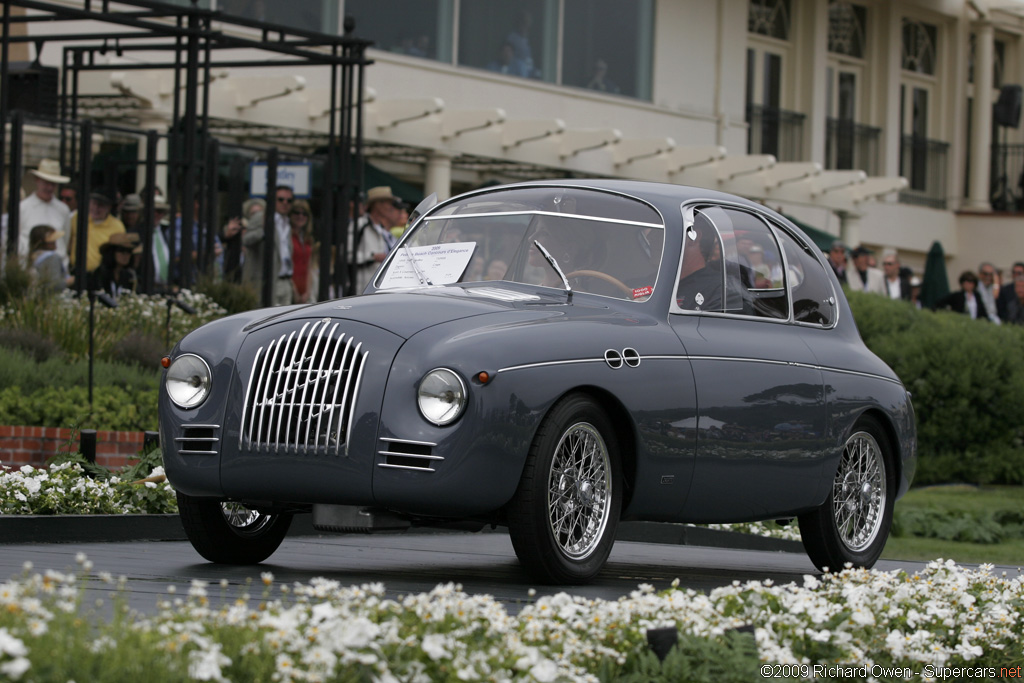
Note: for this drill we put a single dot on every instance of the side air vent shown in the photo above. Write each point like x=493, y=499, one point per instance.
x=199, y=440
x=400, y=454
x=302, y=391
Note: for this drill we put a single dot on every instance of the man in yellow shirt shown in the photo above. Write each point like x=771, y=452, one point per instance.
x=101, y=226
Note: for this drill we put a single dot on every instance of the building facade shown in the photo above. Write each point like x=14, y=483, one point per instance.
x=888, y=123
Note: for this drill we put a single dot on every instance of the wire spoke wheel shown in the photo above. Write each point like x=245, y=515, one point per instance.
x=858, y=493
x=579, y=491
x=563, y=516
x=852, y=525
x=244, y=520
x=229, y=532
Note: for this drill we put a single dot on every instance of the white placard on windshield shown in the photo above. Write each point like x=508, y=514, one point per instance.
x=438, y=264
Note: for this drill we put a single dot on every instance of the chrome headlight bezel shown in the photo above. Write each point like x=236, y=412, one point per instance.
x=441, y=396
x=188, y=381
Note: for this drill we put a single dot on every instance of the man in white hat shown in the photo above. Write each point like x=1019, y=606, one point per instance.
x=372, y=236
x=43, y=207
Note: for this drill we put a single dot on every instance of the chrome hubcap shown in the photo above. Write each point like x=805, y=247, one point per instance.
x=243, y=519
x=858, y=494
x=579, y=491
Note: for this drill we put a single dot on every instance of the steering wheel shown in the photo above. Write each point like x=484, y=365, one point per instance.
x=626, y=289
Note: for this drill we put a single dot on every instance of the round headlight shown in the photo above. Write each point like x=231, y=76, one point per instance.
x=188, y=381
x=441, y=396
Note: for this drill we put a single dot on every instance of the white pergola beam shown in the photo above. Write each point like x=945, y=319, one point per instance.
x=790, y=171
x=631, y=150
x=391, y=113
x=685, y=157
x=576, y=140
x=268, y=88
x=520, y=131
x=456, y=122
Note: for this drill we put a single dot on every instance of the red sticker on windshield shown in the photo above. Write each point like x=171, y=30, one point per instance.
x=641, y=292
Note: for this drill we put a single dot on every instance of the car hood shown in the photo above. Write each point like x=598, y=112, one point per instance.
x=409, y=311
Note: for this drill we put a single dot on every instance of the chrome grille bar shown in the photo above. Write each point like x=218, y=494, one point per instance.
x=294, y=380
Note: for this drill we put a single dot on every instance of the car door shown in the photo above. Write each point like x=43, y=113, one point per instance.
x=761, y=410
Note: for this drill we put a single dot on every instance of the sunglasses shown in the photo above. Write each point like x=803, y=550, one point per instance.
x=286, y=200
x=300, y=213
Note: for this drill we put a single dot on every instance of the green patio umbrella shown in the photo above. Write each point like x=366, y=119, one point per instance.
x=934, y=283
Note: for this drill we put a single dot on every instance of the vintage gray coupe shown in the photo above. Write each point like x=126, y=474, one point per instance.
x=553, y=357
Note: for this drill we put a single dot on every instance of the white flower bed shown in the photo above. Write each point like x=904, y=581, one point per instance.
x=64, y=489
x=859, y=624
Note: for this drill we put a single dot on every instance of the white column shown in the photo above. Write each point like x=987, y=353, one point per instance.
x=979, y=184
x=439, y=176
x=161, y=126
x=849, y=228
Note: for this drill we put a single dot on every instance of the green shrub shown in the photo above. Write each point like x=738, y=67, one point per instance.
x=233, y=297
x=138, y=349
x=966, y=378
x=18, y=368
x=37, y=346
x=114, y=408
x=15, y=283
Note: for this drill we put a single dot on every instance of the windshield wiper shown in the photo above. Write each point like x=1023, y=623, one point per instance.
x=424, y=280
x=554, y=264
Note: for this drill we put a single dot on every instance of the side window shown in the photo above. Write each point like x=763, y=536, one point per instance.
x=734, y=265
x=701, y=278
x=813, y=299
x=754, y=258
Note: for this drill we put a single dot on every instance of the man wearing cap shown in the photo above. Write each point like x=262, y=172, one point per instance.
x=372, y=236
x=837, y=259
x=131, y=212
x=865, y=278
x=43, y=207
x=102, y=225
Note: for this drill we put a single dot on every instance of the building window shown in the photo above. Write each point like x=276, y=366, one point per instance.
x=603, y=45
x=518, y=39
x=998, y=61
x=419, y=28
x=846, y=28
x=607, y=46
x=919, y=47
x=309, y=15
x=769, y=18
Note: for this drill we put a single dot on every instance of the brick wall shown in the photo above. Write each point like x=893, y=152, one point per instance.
x=34, y=445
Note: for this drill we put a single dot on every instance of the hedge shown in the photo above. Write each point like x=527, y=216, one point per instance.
x=966, y=378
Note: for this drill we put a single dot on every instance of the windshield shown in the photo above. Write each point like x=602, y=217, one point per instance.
x=602, y=243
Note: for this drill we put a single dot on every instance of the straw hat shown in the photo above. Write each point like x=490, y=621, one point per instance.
x=380, y=194
x=49, y=169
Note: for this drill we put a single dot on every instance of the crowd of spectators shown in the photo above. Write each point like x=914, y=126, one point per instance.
x=983, y=295
x=48, y=228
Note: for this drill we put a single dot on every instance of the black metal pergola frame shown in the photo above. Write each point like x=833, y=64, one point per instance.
x=197, y=39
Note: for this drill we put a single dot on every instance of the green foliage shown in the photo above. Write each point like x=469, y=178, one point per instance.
x=30, y=342
x=730, y=658
x=966, y=378
x=65, y=320
x=964, y=514
x=15, y=282
x=233, y=297
x=114, y=408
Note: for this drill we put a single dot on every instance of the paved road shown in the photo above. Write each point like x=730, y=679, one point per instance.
x=413, y=562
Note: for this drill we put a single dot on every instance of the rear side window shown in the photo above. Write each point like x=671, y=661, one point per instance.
x=813, y=298
x=740, y=263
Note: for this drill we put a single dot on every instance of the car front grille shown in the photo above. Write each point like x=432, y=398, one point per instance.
x=302, y=391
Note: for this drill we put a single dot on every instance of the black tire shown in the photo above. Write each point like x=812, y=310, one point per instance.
x=562, y=518
x=853, y=524
x=230, y=533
